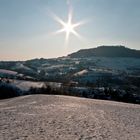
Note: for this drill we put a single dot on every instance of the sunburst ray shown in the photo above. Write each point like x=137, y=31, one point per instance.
x=68, y=27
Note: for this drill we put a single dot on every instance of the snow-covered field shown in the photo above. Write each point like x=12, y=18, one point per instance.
x=41, y=117
x=26, y=85
x=8, y=72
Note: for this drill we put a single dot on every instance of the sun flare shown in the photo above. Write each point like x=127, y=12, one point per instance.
x=68, y=27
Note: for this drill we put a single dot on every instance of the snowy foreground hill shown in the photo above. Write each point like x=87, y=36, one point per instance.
x=40, y=117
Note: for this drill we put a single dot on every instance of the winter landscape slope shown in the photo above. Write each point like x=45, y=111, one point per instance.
x=41, y=117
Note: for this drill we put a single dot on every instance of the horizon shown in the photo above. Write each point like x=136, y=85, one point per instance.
x=27, y=27
x=70, y=53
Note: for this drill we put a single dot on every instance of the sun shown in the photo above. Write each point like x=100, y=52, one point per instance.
x=68, y=27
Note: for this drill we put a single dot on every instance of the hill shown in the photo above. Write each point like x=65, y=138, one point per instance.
x=106, y=51
x=65, y=118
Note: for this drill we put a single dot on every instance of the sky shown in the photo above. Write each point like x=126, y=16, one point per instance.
x=27, y=26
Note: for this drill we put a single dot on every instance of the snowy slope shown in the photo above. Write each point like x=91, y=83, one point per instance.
x=51, y=117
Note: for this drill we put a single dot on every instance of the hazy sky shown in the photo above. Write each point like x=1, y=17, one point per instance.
x=26, y=26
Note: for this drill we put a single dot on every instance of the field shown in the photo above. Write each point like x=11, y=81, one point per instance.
x=39, y=117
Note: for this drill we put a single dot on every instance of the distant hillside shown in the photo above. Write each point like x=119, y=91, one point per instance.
x=106, y=51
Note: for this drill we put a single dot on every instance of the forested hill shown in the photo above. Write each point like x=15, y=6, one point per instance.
x=106, y=51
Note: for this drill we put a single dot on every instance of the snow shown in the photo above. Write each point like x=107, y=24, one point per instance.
x=26, y=85
x=9, y=72
x=21, y=66
x=81, y=73
x=41, y=117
